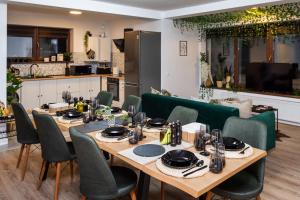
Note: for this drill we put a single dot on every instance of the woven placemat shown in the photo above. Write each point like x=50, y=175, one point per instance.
x=100, y=138
x=178, y=172
x=234, y=154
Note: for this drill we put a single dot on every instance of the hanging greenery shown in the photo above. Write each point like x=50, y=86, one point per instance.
x=254, y=22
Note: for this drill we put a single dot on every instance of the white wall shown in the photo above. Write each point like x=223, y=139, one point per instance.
x=79, y=24
x=3, y=49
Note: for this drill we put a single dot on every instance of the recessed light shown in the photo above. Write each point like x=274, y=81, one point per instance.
x=75, y=12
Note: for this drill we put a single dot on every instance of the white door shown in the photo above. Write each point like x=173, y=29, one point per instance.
x=105, y=50
x=30, y=93
x=84, y=88
x=94, y=86
x=48, y=92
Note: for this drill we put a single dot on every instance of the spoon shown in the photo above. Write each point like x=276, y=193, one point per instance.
x=198, y=164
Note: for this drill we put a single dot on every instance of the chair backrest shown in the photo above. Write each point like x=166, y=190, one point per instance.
x=105, y=98
x=26, y=132
x=132, y=100
x=183, y=114
x=53, y=144
x=253, y=133
x=96, y=178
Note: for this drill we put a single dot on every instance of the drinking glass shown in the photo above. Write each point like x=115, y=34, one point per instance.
x=139, y=131
x=131, y=113
x=216, y=136
x=86, y=118
x=198, y=141
x=206, y=137
x=133, y=137
x=216, y=163
x=220, y=148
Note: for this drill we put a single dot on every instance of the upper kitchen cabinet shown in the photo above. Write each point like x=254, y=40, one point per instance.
x=101, y=47
x=28, y=43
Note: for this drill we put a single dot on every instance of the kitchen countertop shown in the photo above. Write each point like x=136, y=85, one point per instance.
x=57, y=77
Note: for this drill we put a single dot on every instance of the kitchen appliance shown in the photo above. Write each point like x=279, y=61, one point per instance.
x=76, y=70
x=103, y=70
x=113, y=87
x=120, y=42
x=142, y=62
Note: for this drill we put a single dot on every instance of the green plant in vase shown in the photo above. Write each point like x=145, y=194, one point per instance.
x=13, y=85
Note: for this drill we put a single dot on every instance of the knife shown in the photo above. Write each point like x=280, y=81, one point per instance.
x=185, y=175
x=243, y=151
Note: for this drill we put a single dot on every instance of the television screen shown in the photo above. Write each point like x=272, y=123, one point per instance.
x=274, y=77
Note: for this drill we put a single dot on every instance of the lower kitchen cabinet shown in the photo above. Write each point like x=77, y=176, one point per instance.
x=48, y=90
x=30, y=94
x=89, y=87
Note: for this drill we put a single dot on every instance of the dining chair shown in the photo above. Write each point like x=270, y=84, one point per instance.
x=26, y=134
x=97, y=179
x=248, y=183
x=54, y=147
x=132, y=100
x=105, y=98
x=183, y=114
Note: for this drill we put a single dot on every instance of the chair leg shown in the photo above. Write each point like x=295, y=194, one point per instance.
x=258, y=197
x=162, y=191
x=72, y=169
x=133, y=195
x=26, y=161
x=57, y=180
x=111, y=160
x=20, y=155
x=209, y=195
x=43, y=168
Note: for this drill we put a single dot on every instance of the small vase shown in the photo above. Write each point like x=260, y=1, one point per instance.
x=219, y=84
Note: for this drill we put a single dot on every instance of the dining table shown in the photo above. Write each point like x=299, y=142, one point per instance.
x=195, y=187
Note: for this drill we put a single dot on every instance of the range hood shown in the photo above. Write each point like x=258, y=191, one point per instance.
x=120, y=42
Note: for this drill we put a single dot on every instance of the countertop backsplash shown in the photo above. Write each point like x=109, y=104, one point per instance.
x=44, y=69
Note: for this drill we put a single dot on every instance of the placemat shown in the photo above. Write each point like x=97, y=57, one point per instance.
x=234, y=154
x=149, y=150
x=67, y=121
x=128, y=153
x=109, y=140
x=178, y=172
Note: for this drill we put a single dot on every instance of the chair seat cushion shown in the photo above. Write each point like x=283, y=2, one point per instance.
x=241, y=186
x=126, y=179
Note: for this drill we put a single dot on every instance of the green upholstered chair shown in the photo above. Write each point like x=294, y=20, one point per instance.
x=132, y=100
x=105, y=98
x=97, y=179
x=183, y=114
x=248, y=183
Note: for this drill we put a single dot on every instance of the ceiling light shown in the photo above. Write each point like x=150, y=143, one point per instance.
x=75, y=12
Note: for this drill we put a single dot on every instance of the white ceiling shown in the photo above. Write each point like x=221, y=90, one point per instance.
x=160, y=4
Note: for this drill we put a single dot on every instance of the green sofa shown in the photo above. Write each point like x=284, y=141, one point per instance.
x=215, y=115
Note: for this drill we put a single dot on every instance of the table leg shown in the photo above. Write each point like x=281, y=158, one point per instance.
x=277, y=120
x=202, y=197
x=143, y=186
x=46, y=171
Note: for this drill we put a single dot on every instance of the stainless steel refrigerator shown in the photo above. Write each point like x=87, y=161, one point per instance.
x=142, y=62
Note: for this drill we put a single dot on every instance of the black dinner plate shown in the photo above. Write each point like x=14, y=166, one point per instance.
x=233, y=144
x=115, y=131
x=157, y=122
x=115, y=110
x=72, y=114
x=179, y=159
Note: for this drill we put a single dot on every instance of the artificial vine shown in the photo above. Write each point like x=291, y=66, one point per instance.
x=255, y=22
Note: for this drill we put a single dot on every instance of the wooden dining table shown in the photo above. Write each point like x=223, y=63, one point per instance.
x=195, y=187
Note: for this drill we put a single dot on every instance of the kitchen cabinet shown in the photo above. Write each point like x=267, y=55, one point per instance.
x=103, y=84
x=101, y=47
x=89, y=87
x=71, y=85
x=36, y=93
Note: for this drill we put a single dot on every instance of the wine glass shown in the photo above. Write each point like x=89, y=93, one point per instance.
x=141, y=120
x=131, y=113
x=68, y=97
x=206, y=137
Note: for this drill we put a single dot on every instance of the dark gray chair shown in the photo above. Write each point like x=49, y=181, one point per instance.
x=26, y=134
x=105, y=98
x=132, y=100
x=97, y=179
x=55, y=149
x=183, y=114
x=248, y=183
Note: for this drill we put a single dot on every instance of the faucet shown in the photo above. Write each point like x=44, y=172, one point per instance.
x=30, y=69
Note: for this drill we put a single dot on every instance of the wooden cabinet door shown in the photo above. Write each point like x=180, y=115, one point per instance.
x=30, y=93
x=48, y=92
x=84, y=88
x=94, y=86
x=71, y=85
x=103, y=84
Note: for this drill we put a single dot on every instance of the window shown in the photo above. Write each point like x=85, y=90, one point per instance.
x=27, y=43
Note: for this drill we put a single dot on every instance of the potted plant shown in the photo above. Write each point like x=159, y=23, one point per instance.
x=205, y=71
x=219, y=76
x=67, y=58
x=13, y=85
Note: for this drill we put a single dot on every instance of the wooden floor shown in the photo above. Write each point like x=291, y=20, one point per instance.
x=282, y=180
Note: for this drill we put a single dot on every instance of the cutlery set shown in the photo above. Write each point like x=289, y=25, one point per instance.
x=198, y=164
